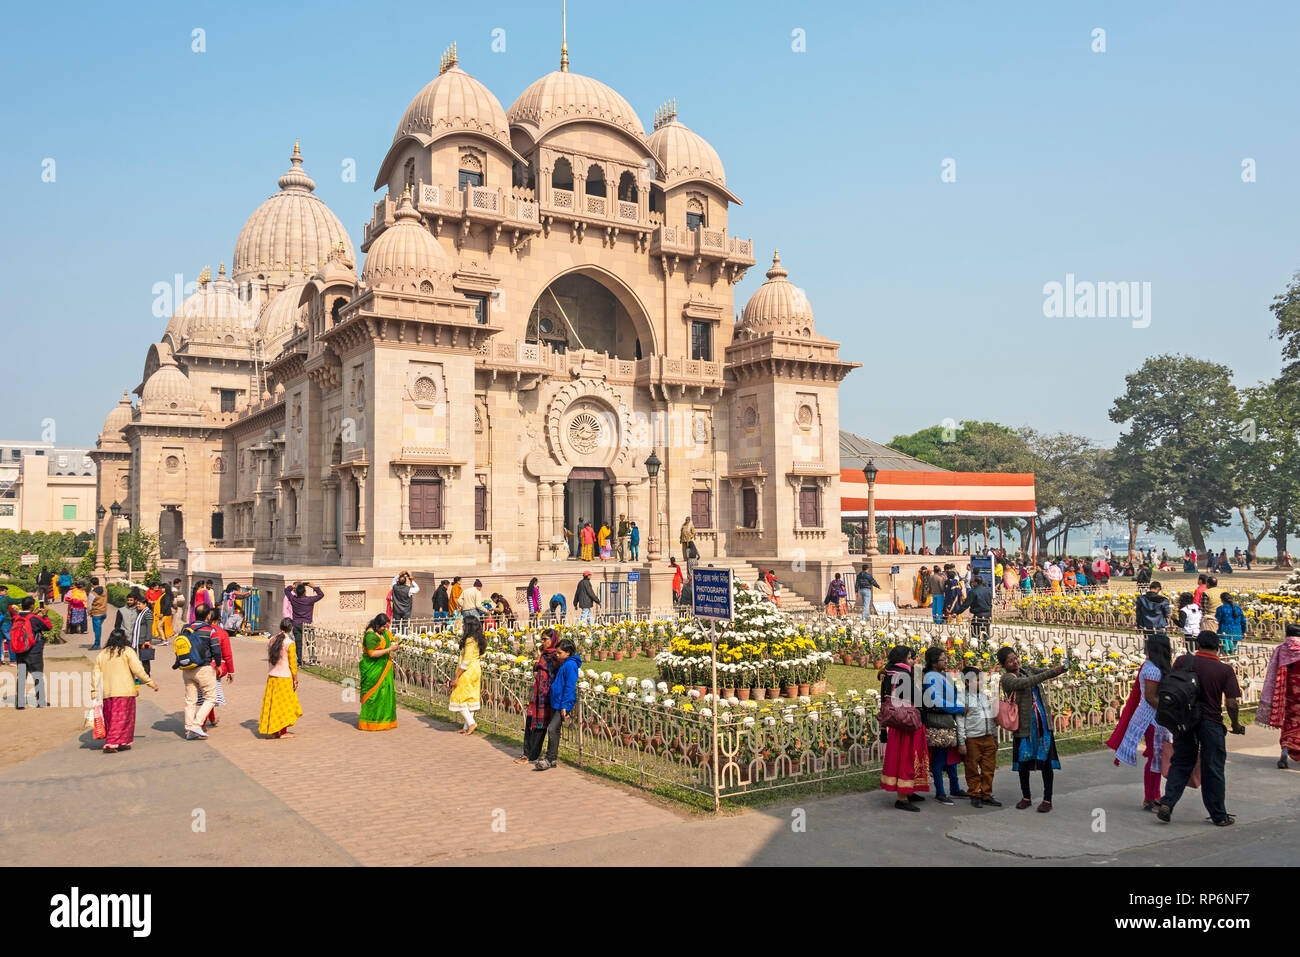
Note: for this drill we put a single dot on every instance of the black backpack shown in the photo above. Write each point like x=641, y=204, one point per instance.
x=1178, y=696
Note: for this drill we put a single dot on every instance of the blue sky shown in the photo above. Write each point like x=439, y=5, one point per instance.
x=1122, y=166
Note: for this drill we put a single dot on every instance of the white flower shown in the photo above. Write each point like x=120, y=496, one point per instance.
x=648, y=685
x=649, y=699
x=813, y=716
x=769, y=721
x=693, y=693
x=706, y=713
x=600, y=689
x=747, y=722
x=584, y=685
x=663, y=687
x=804, y=699
x=606, y=676
x=860, y=711
x=633, y=695
x=733, y=701
x=789, y=719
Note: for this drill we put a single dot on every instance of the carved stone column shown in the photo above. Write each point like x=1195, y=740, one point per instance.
x=758, y=503
x=738, y=501
x=330, y=529
x=796, y=483
x=404, y=476
x=359, y=473
x=557, y=510
x=545, y=518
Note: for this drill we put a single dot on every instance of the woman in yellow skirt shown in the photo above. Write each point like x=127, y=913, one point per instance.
x=280, y=707
x=469, y=672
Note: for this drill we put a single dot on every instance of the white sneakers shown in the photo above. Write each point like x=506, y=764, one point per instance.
x=192, y=733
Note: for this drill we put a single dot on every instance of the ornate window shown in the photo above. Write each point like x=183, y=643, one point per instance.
x=749, y=506
x=701, y=341
x=173, y=465
x=627, y=191
x=595, y=180
x=695, y=213
x=562, y=175
x=702, y=508
x=471, y=171
x=425, y=391
x=426, y=503
x=804, y=417
x=810, y=507
x=480, y=508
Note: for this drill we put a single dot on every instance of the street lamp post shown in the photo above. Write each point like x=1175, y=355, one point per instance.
x=100, y=556
x=116, y=510
x=869, y=473
x=652, y=465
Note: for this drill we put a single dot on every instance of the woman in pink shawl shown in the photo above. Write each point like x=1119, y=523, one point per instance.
x=1279, y=701
x=1138, y=720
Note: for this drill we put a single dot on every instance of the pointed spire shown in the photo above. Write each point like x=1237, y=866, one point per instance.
x=564, y=36
x=777, y=271
x=449, y=59
x=221, y=272
x=296, y=176
x=205, y=275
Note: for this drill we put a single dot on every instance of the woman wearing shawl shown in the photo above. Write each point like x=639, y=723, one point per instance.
x=533, y=594
x=1034, y=744
x=538, y=714
x=836, y=592
x=588, y=538
x=76, y=599
x=117, y=675
x=602, y=540
x=907, y=761
x=378, y=698
x=1137, y=722
x=154, y=599
x=1279, y=701
x=466, y=690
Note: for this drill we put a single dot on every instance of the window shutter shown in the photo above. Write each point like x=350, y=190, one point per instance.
x=701, y=508
x=749, y=508
x=480, y=508
x=808, y=511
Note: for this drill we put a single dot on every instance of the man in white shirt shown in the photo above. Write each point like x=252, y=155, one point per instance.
x=471, y=600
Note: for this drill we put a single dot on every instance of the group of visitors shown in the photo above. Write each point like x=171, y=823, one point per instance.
x=953, y=719
x=621, y=543
x=1208, y=604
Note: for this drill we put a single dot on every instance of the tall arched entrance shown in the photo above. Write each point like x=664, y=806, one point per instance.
x=589, y=308
x=587, y=499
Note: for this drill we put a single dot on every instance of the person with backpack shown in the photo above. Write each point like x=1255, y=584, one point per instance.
x=26, y=639
x=1191, y=702
x=584, y=599
x=198, y=656
x=117, y=675
x=1034, y=740
x=6, y=620
x=280, y=706
x=1137, y=722
x=1232, y=623
x=227, y=667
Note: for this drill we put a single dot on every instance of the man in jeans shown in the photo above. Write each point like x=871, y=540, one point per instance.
x=564, y=695
x=301, y=603
x=584, y=598
x=201, y=680
x=865, y=583
x=937, y=582
x=624, y=532
x=1219, y=688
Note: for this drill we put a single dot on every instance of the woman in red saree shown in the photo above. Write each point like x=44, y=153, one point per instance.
x=1279, y=701
x=907, y=759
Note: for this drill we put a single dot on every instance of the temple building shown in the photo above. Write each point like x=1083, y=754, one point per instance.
x=545, y=301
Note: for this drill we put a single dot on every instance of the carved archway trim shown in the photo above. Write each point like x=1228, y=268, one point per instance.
x=601, y=393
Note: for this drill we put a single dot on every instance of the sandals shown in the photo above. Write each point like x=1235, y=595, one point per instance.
x=1023, y=803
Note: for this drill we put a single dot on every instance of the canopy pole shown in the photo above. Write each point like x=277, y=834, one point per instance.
x=891, y=534
x=1033, y=543
x=923, y=546
x=986, y=533
x=1001, y=548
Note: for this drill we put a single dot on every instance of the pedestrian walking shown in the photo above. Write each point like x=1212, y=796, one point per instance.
x=27, y=641
x=1151, y=611
x=624, y=533
x=936, y=584
x=584, y=599
x=941, y=703
x=378, y=695
x=453, y=595
x=979, y=732
x=136, y=619
x=198, y=656
x=116, y=677
x=470, y=603
x=836, y=594
x=441, y=603
x=979, y=602
x=466, y=687
x=1188, y=620
x=1034, y=741
x=686, y=537
x=225, y=668
x=7, y=602
x=280, y=706
x=635, y=542
x=1204, y=734
x=1279, y=700
x=602, y=542
x=677, y=580
x=906, y=767
x=77, y=618
x=537, y=716
x=98, y=609
x=533, y=596
x=564, y=697
x=1137, y=722
x=865, y=584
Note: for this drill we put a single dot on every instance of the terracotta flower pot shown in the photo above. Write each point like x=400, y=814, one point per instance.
x=760, y=694
x=728, y=691
x=819, y=687
x=618, y=656
x=701, y=689
x=805, y=690
x=742, y=694
x=773, y=693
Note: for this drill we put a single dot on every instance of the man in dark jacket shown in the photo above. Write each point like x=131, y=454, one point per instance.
x=404, y=591
x=1152, y=611
x=979, y=602
x=952, y=594
x=302, y=603
x=32, y=661
x=584, y=598
x=936, y=596
x=441, y=601
x=865, y=583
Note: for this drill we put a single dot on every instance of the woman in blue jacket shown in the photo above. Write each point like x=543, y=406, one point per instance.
x=1232, y=623
x=940, y=705
x=564, y=695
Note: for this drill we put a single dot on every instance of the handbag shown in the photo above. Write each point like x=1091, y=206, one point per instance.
x=899, y=715
x=941, y=737
x=1008, y=718
x=101, y=729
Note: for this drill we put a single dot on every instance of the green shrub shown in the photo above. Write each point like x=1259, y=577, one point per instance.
x=117, y=594
x=55, y=634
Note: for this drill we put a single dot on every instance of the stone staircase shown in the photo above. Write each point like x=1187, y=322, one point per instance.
x=791, y=602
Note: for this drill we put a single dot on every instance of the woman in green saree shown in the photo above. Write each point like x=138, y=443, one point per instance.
x=378, y=699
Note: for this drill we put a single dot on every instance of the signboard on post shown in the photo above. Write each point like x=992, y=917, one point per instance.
x=633, y=576
x=982, y=565
x=29, y=559
x=711, y=594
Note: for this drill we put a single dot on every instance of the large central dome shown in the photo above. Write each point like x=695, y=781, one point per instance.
x=563, y=97
x=290, y=235
x=454, y=102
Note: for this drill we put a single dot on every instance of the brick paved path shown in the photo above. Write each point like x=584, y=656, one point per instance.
x=419, y=794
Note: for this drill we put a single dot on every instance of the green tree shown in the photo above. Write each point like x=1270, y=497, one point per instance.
x=137, y=547
x=1267, y=450
x=1286, y=310
x=1182, y=415
x=1068, y=484
x=1130, y=499
x=1182, y=535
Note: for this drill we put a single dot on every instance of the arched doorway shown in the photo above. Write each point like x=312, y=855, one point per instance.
x=171, y=532
x=587, y=498
x=590, y=308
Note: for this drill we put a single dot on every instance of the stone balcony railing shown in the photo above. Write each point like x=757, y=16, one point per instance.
x=538, y=358
x=702, y=243
x=604, y=209
x=514, y=208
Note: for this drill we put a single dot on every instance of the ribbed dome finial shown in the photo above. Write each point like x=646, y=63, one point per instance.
x=296, y=177
x=777, y=271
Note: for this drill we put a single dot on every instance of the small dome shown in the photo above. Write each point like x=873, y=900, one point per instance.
x=684, y=154
x=168, y=390
x=406, y=256
x=288, y=235
x=117, y=420
x=562, y=97
x=213, y=313
x=454, y=102
x=778, y=307
x=280, y=319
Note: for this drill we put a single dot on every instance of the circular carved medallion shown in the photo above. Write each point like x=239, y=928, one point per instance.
x=584, y=432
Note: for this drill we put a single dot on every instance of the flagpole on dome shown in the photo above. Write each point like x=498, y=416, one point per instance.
x=564, y=36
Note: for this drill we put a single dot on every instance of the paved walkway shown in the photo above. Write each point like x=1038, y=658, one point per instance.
x=422, y=794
